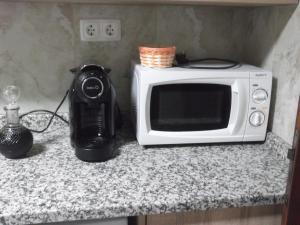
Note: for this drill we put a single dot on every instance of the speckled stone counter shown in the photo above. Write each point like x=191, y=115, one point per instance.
x=52, y=185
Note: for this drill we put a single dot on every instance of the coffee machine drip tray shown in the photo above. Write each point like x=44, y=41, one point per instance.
x=95, y=149
x=92, y=142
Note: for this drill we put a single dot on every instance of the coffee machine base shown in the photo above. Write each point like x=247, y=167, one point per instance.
x=99, y=153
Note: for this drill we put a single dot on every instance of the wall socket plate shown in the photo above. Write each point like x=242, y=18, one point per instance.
x=100, y=30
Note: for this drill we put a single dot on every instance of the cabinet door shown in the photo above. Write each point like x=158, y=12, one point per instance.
x=291, y=215
x=259, y=215
x=116, y=221
x=194, y=2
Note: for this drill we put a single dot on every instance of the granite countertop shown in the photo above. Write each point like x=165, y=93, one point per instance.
x=52, y=185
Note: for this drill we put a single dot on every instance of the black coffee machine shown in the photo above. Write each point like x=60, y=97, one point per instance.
x=94, y=114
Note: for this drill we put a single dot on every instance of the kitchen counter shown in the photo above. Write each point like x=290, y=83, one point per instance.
x=52, y=185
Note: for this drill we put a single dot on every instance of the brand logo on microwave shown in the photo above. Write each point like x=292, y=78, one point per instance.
x=96, y=87
x=261, y=74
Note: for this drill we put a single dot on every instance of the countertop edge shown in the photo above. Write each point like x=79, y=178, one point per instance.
x=131, y=210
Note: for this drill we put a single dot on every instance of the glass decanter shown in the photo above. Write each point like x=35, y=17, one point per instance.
x=15, y=139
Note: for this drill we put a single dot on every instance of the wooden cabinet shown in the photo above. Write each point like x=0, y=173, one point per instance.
x=260, y=215
x=291, y=211
x=194, y=2
x=115, y=221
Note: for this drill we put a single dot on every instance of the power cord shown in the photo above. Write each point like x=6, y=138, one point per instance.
x=44, y=111
x=183, y=62
x=54, y=114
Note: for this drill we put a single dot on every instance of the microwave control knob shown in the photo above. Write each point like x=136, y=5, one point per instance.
x=260, y=96
x=257, y=118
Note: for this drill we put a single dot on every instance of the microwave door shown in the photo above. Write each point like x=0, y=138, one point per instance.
x=190, y=107
x=194, y=111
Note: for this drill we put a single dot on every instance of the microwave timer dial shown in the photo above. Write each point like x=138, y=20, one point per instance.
x=260, y=96
x=257, y=118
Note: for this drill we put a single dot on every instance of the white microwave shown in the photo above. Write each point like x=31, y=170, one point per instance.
x=182, y=106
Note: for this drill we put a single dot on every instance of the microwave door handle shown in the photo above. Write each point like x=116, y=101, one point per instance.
x=235, y=88
x=240, y=107
x=235, y=111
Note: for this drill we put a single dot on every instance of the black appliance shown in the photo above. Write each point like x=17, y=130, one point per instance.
x=94, y=114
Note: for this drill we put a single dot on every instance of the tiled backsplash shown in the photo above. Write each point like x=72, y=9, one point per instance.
x=40, y=42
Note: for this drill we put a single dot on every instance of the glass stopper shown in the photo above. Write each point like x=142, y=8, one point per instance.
x=11, y=94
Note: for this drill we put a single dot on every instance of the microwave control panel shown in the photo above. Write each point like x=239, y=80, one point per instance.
x=259, y=97
x=259, y=105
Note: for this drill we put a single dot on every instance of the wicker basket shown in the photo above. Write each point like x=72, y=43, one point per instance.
x=161, y=57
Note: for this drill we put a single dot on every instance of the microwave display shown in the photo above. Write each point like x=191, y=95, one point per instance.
x=190, y=107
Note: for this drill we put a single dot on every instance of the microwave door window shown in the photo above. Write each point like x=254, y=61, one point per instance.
x=190, y=107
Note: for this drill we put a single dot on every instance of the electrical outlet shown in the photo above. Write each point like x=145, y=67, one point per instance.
x=89, y=30
x=111, y=30
x=100, y=30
